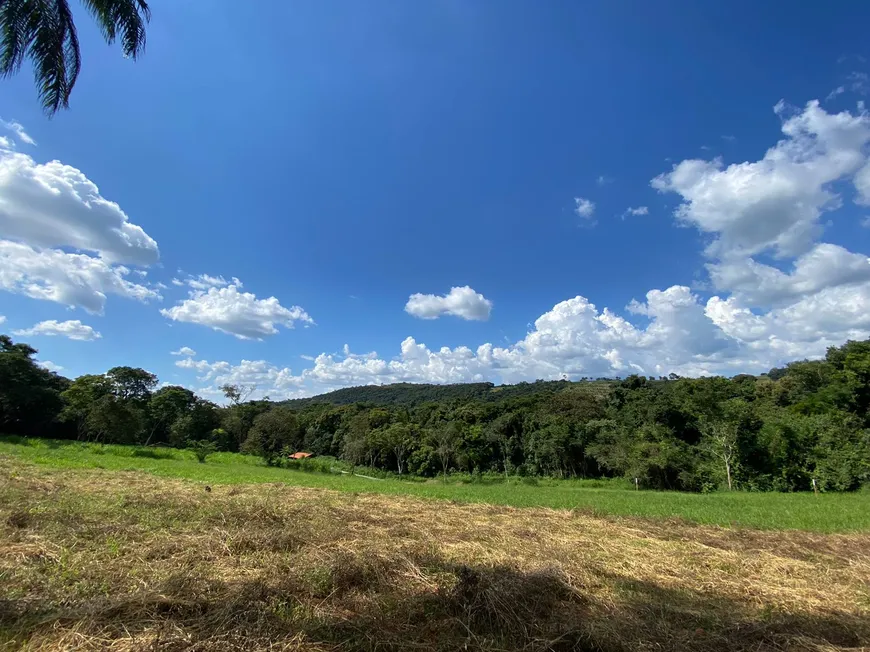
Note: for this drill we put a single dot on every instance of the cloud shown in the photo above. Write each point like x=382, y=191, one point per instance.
x=824, y=266
x=837, y=91
x=603, y=180
x=763, y=311
x=18, y=130
x=584, y=208
x=50, y=366
x=62, y=240
x=56, y=205
x=74, y=280
x=185, y=351
x=575, y=339
x=2, y=319
x=278, y=383
x=774, y=203
x=640, y=210
x=228, y=310
x=859, y=82
x=865, y=222
x=729, y=138
x=177, y=282
x=461, y=302
x=72, y=329
x=204, y=282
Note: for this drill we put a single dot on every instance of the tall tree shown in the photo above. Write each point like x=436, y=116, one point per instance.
x=43, y=31
x=131, y=383
x=29, y=394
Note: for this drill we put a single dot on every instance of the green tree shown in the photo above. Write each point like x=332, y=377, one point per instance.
x=43, y=31
x=165, y=407
x=445, y=438
x=398, y=439
x=79, y=399
x=113, y=421
x=30, y=396
x=272, y=432
x=197, y=423
x=131, y=383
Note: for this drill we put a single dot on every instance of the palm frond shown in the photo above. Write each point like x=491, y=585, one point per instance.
x=122, y=18
x=13, y=44
x=44, y=32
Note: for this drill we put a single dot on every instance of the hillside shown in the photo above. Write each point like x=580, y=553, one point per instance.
x=410, y=394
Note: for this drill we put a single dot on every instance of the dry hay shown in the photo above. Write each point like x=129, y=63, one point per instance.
x=94, y=560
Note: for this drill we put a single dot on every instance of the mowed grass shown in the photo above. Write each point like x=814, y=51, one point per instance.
x=801, y=511
x=120, y=561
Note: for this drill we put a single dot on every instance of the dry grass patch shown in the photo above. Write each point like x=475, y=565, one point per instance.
x=95, y=560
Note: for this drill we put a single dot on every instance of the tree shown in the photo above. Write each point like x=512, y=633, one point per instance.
x=273, y=431
x=29, y=395
x=131, y=383
x=446, y=437
x=506, y=433
x=44, y=32
x=195, y=424
x=81, y=397
x=113, y=421
x=237, y=394
x=398, y=439
x=166, y=406
x=722, y=438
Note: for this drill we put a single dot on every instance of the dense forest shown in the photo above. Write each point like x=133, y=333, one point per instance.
x=774, y=432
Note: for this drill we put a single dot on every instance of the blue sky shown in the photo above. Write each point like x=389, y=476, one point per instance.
x=343, y=158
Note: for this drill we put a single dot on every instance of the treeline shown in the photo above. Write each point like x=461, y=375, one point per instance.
x=778, y=431
x=410, y=394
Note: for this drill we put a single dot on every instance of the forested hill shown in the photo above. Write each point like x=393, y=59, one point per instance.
x=412, y=394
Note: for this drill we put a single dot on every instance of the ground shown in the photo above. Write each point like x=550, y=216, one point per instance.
x=826, y=512
x=96, y=559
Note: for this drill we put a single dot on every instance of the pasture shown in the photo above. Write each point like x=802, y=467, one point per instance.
x=121, y=560
x=835, y=512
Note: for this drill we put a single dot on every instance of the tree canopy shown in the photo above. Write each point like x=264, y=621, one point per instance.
x=773, y=432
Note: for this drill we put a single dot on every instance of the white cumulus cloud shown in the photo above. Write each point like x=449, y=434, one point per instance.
x=266, y=379
x=50, y=366
x=72, y=329
x=185, y=351
x=238, y=313
x=461, y=302
x=60, y=239
x=774, y=203
x=74, y=280
x=56, y=205
x=822, y=267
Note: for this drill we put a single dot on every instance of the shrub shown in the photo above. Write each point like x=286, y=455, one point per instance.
x=202, y=449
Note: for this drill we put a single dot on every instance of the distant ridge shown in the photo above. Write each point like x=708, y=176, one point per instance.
x=411, y=394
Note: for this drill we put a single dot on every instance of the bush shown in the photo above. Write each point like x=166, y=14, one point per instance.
x=202, y=449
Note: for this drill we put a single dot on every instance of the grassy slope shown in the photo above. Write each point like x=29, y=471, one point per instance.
x=824, y=513
x=115, y=561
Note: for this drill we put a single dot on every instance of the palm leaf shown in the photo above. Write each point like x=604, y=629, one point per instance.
x=124, y=18
x=44, y=32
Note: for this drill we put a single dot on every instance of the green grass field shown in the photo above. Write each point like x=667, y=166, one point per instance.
x=823, y=513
